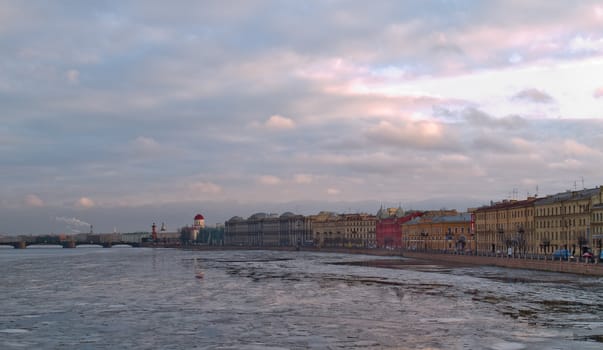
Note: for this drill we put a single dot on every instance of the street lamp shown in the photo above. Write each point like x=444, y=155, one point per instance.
x=424, y=239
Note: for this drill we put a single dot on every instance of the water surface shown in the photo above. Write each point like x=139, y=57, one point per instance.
x=140, y=298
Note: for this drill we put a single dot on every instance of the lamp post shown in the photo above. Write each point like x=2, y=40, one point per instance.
x=424, y=239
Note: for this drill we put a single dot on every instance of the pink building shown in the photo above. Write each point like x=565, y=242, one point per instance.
x=389, y=226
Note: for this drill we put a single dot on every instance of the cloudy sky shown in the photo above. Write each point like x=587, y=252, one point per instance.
x=120, y=113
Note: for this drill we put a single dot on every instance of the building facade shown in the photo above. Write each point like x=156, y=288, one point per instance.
x=506, y=225
x=449, y=232
x=596, y=228
x=563, y=220
x=388, y=230
x=344, y=230
x=235, y=231
x=570, y=220
x=265, y=230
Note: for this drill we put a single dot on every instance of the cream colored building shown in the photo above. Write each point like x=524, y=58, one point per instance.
x=439, y=231
x=504, y=225
x=596, y=228
x=344, y=230
x=563, y=220
x=569, y=220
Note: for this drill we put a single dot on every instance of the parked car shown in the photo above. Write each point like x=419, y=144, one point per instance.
x=562, y=254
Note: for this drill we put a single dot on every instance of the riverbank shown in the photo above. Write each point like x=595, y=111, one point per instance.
x=579, y=268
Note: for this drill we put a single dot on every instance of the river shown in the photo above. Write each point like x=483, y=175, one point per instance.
x=138, y=298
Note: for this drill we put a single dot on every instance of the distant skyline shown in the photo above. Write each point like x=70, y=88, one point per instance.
x=120, y=113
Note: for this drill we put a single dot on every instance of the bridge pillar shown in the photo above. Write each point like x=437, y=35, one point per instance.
x=107, y=245
x=21, y=245
x=69, y=244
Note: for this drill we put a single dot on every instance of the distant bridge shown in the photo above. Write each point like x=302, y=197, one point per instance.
x=68, y=244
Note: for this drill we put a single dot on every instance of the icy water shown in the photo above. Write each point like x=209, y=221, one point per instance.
x=135, y=298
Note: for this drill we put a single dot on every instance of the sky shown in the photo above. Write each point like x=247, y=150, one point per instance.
x=118, y=114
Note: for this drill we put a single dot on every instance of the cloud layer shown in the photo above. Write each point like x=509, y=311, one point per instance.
x=126, y=107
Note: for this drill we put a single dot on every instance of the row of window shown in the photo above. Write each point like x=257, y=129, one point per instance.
x=438, y=230
x=572, y=209
x=560, y=223
x=514, y=214
x=598, y=216
x=504, y=227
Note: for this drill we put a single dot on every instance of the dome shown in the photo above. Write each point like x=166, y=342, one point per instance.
x=199, y=217
x=258, y=216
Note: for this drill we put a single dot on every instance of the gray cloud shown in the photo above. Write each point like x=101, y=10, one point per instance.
x=533, y=95
x=489, y=143
x=478, y=118
x=414, y=135
x=148, y=109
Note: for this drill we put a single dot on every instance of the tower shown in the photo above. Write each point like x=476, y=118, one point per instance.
x=199, y=221
x=198, y=225
x=154, y=232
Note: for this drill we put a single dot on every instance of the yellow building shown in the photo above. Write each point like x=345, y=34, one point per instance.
x=504, y=225
x=596, y=228
x=344, y=230
x=570, y=220
x=563, y=220
x=449, y=231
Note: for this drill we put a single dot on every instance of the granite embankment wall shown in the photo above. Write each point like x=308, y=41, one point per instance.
x=581, y=268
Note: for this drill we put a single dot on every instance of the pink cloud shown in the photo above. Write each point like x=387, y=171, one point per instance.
x=269, y=180
x=206, y=187
x=32, y=200
x=279, y=122
x=419, y=134
x=85, y=202
x=598, y=93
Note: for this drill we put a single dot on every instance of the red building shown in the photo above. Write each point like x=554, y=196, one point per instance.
x=389, y=226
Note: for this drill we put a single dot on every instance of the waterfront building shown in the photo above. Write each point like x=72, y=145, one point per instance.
x=596, y=227
x=359, y=230
x=295, y=230
x=235, y=231
x=439, y=230
x=325, y=229
x=263, y=229
x=570, y=220
x=507, y=224
x=388, y=230
x=344, y=230
x=563, y=220
x=135, y=237
x=170, y=237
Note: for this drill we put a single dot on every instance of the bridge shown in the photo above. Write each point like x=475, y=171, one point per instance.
x=68, y=244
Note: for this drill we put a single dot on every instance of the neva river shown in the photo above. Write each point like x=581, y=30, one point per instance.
x=135, y=298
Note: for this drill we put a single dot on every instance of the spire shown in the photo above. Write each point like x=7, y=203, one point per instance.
x=400, y=211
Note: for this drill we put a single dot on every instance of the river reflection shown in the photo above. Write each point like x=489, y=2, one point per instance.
x=149, y=298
